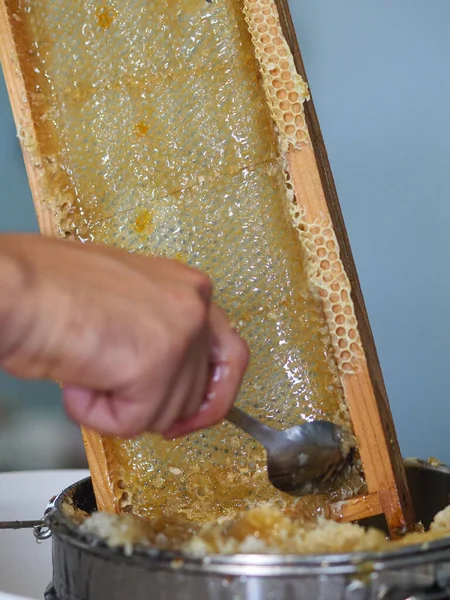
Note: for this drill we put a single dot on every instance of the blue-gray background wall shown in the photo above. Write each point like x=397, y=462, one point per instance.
x=380, y=77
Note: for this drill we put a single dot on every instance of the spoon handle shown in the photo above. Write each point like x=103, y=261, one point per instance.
x=264, y=434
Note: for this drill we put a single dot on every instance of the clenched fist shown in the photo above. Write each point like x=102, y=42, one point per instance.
x=136, y=342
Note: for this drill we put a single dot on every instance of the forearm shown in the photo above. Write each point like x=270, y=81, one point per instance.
x=12, y=292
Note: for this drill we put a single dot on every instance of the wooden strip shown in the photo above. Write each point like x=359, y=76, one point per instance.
x=365, y=392
x=373, y=441
x=356, y=509
x=95, y=452
x=24, y=124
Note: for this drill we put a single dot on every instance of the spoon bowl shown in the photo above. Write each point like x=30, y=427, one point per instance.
x=302, y=460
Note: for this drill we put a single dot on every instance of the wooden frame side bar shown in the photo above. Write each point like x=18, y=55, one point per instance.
x=365, y=391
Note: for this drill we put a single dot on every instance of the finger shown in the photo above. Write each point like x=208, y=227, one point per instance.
x=199, y=367
x=119, y=266
x=188, y=393
x=159, y=269
x=229, y=361
x=104, y=413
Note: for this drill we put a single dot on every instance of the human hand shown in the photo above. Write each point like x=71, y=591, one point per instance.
x=136, y=342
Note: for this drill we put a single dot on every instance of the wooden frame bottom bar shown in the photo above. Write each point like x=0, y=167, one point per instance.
x=357, y=508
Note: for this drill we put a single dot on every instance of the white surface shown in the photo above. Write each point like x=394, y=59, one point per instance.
x=25, y=565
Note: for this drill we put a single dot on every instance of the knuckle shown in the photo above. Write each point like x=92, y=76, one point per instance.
x=196, y=279
x=135, y=422
x=202, y=284
x=164, y=346
x=194, y=311
x=132, y=368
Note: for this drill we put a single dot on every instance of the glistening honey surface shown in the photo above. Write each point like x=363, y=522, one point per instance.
x=157, y=138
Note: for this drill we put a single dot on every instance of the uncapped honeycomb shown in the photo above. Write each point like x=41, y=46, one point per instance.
x=157, y=136
x=326, y=273
x=286, y=93
x=285, y=89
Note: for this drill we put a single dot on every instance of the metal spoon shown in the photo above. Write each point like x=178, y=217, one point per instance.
x=302, y=460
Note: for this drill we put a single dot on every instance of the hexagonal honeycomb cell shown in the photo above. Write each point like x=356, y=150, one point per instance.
x=327, y=275
x=159, y=135
x=285, y=89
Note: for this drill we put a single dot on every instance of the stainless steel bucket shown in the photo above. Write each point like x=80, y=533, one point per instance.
x=85, y=569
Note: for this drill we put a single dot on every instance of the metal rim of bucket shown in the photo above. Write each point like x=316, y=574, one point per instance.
x=243, y=564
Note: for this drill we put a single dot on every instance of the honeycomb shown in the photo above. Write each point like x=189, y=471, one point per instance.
x=286, y=91
x=261, y=530
x=327, y=275
x=161, y=126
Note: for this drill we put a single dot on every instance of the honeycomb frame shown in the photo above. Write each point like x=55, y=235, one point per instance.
x=288, y=114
